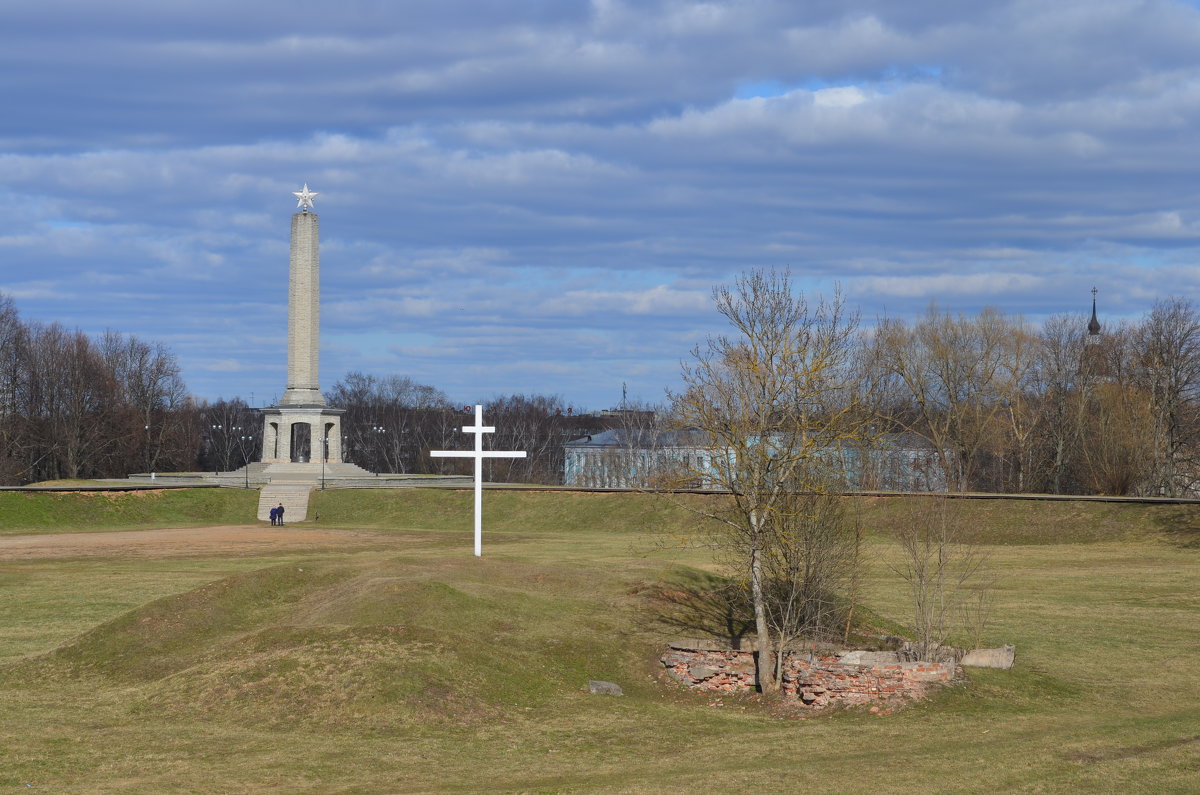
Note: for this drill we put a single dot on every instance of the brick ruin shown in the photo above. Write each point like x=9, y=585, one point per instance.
x=816, y=677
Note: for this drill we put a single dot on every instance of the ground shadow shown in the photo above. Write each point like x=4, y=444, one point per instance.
x=697, y=604
x=1180, y=525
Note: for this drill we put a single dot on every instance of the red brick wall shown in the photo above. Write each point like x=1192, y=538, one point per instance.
x=817, y=678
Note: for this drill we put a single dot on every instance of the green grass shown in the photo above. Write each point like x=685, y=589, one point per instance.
x=563, y=514
x=75, y=512
x=420, y=668
x=988, y=521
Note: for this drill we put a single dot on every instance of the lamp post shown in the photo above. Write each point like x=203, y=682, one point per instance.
x=379, y=429
x=237, y=429
x=324, y=455
x=246, y=458
x=216, y=463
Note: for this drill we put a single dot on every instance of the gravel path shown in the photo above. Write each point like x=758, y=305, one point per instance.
x=184, y=542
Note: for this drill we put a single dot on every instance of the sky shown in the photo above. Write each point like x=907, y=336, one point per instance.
x=538, y=196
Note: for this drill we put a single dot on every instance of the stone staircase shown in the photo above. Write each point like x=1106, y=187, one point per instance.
x=291, y=485
x=310, y=470
x=293, y=496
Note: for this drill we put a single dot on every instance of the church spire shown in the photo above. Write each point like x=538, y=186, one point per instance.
x=1093, y=324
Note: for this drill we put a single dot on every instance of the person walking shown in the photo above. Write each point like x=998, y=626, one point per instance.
x=279, y=514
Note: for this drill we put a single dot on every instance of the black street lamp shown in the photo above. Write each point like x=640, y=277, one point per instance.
x=379, y=429
x=246, y=458
x=216, y=462
x=324, y=455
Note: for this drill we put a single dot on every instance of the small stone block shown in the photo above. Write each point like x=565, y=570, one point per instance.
x=1002, y=657
x=702, y=671
x=598, y=688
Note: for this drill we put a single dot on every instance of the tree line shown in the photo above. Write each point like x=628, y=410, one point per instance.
x=982, y=402
x=73, y=406
x=392, y=423
x=1002, y=405
x=76, y=407
x=1009, y=407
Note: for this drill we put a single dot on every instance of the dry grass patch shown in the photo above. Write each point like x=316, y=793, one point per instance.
x=418, y=667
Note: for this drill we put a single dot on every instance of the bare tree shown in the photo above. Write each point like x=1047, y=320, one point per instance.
x=770, y=404
x=955, y=374
x=1021, y=405
x=1168, y=370
x=1062, y=383
x=388, y=421
x=14, y=339
x=66, y=399
x=153, y=400
x=943, y=575
x=536, y=424
x=73, y=407
x=232, y=433
x=1118, y=443
x=810, y=569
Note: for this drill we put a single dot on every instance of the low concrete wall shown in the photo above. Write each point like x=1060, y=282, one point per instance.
x=817, y=677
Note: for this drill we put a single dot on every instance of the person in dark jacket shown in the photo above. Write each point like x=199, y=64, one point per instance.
x=274, y=516
x=279, y=514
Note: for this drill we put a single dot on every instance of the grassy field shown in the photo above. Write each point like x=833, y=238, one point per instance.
x=416, y=667
x=79, y=512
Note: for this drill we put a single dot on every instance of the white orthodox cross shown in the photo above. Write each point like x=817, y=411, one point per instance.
x=479, y=429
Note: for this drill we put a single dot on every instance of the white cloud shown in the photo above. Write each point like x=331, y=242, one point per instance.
x=982, y=285
x=840, y=97
x=658, y=300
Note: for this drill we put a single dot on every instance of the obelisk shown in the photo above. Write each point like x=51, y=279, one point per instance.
x=302, y=429
x=304, y=307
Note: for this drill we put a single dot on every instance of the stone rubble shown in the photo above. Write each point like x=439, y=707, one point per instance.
x=816, y=677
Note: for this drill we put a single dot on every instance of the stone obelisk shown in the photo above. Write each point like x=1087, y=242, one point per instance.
x=304, y=310
x=302, y=429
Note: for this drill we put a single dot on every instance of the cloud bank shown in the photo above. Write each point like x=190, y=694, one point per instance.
x=524, y=196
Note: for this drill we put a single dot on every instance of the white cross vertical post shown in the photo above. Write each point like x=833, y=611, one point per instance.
x=478, y=454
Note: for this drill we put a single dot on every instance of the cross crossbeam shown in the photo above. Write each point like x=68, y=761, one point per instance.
x=479, y=429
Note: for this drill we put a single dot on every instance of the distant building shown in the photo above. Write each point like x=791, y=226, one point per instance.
x=893, y=462
x=622, y=458
x=635, y=458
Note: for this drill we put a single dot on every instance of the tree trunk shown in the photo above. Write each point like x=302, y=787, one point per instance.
x=765, y=669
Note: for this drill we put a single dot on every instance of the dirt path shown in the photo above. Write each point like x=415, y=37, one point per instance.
x=184, y=542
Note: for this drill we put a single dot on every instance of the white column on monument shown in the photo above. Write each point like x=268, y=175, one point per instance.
x=285, y=440
x=333, y=431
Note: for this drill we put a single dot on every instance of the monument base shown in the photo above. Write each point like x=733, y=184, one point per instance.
x=330, y=475
x=296, y=434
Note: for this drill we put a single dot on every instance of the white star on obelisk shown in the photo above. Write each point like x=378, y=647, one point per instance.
x=304, y=198
x=479, y=429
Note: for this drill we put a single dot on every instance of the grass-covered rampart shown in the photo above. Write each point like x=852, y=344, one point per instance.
x=86, y=511
x=988, y=521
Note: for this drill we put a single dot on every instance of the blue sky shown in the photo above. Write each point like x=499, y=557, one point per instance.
x=538, y=196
